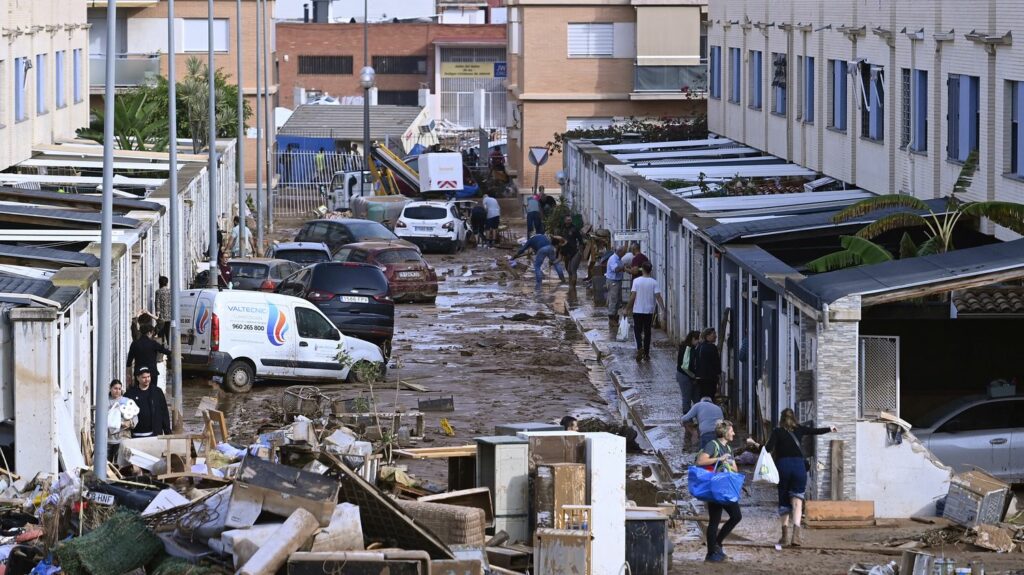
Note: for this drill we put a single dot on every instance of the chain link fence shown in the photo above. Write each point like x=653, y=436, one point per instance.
x=304, y=174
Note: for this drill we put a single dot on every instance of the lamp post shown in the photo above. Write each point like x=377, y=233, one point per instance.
x=212, y=145
x=366, y=79
x=240, y=146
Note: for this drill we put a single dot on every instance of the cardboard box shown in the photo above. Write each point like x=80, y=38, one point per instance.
x=278, y=489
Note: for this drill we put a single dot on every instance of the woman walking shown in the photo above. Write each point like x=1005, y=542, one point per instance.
x=684, y=373
x=127, y=415
x=784, y=444
x=718, y=454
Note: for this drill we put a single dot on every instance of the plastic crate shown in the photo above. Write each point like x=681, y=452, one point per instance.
x=975, y=498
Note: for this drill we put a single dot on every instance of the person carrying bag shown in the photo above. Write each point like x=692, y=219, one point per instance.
x=720, y=487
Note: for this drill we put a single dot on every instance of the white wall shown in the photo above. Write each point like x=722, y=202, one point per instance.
x=903, y=480
x=345, y=11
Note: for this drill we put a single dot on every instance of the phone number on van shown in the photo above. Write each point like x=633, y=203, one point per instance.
x=248, y=327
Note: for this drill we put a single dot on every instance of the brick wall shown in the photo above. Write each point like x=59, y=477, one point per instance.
x=385, y=39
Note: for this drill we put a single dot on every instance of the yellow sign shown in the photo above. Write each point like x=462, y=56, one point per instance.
x=467, y=69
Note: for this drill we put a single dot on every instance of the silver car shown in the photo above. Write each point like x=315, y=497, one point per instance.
x=978, y=431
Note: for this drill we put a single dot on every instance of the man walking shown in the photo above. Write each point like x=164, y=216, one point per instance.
x=613, y=283
x=493, y=218
x=707, y=415
x=240, y=234
x=541, y=245
x=644, y=301
x=162, y=303
x=142, y=353
x=534, y=221
x=637, y=261
x=709, y=363
x=154, y=418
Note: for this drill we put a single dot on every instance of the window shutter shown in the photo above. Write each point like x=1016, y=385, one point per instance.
x=592, y=40
x=953, y=117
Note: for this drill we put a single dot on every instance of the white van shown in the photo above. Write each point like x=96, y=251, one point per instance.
x=248, y=335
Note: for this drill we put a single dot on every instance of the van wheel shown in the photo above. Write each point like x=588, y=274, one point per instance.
x=385, y=349
x=362, y=372
x=239, y=377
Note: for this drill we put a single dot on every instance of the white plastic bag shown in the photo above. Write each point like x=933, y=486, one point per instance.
x=765, y=470
x=623, y=333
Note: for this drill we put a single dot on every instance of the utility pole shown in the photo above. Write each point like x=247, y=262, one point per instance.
x=268, y=111
x=104, y=373
x=212, y=145
x=175, y=214
x=259, y=138
x=240, y=146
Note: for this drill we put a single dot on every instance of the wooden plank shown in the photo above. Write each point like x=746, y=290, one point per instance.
x=852, y=524
x=413, y=386
x=819, y=510
x=836, y=462
x=438, y=452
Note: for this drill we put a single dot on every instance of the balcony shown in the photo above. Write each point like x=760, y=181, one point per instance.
x=669, y=82
x=130, y=70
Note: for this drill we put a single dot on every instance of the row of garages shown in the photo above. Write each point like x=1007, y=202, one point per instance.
x=729, y=234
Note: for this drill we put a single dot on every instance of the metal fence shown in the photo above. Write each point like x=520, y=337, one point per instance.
x=304, y=174
x=879, y=375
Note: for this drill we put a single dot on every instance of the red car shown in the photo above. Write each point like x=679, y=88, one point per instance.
x=410, y=276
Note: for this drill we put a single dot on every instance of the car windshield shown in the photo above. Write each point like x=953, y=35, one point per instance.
x=245, y=270
x=368, y=230
x=397, y=256
x=338, y=278
x=425, y=213
x=302, y=256
x=932, y=417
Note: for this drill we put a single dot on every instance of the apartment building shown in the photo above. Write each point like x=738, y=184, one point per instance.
x=443, y=11
x=451, y=61
x=590, y=63
x=890, y=97
x=141, y=38
x=43, y=69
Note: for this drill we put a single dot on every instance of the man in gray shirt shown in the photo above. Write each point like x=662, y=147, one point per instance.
x=707, y=415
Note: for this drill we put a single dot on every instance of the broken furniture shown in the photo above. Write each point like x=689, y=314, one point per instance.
x=278, y=489
x=514, y=428
x=454, y=524
x=828, y=514
x=560, y=551
x=502, y=467
x=975, y=498
x=461, y=462
x=556, y=485
x=382, y=562
x=478, y=497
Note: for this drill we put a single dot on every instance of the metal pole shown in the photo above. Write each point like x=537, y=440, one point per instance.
x=212, y=145
x=240, y=147
x=366, y=90
x=175, y=214
x=259, y=140
x=104, y=371
x=267, y=110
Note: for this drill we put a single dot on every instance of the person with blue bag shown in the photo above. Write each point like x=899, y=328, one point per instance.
x=716, y=481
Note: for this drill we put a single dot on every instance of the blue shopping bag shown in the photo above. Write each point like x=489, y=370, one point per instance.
x=707, y=485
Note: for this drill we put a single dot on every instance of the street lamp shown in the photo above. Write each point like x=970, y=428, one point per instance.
x=366, y=79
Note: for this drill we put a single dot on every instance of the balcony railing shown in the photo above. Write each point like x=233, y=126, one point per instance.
x=130, y=70
x=690, y=79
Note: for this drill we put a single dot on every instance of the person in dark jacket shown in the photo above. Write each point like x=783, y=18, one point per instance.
x=154, y=417
x=143, y=352
x=784, y=444
x=709, y=363
x=684, y=372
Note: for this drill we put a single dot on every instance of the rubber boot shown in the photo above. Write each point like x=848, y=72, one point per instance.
x=797, y=541
x=784, y=540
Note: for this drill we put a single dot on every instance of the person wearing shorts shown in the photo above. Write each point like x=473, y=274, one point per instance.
x=493, y=218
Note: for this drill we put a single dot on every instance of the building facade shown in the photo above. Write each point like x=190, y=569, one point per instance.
x=44, y=67
x=141, y=39
x=452, y=61
x=889, y=98
x=591, y=63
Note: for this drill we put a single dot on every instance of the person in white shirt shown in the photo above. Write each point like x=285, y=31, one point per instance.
x=493, y=218
x=644, y=300
x=613, y=283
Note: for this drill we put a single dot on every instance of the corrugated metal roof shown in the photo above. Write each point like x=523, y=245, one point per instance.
x=345, y=122
x=760, y=262
x=39, y=288
x=676, y=144
x=57, y=198
x=44, y=214
x=33, y=253
x=908, y=273
x=724, y=173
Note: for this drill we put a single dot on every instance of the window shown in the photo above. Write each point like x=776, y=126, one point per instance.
x=58, y=69
x=670, y=79
x=592, y=40
x=20, y=78
x=403, y=256
x=587, y=123
x=400, y=64
x=41, y=84
x=398, y=97
x=872, y=115
x=77, y=78
x=1017, y=128
x=735, y=65
x=197, y=35
x=312, y=325
x=962, y=117
x=837, y=94
x=755, y=63
x=905, y=111
x=715, y=72
x=325, y=65
x=919, y=110
x=808, y=91
x=995, y=415
x=779, y=83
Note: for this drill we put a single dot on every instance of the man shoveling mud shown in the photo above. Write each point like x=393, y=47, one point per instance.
x=544, y=250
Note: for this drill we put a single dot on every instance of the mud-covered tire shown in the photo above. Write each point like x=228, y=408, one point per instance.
x=239, y=377
x=357, y=373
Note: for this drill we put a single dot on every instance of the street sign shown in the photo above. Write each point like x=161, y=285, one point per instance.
x=538, y=155
x=500, y=70
x=631, y=236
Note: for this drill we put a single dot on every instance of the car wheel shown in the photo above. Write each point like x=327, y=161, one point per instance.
x=239, y=377
x=385, y=349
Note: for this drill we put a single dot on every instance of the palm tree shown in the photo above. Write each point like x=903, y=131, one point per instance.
x=939, y=227
x=137, y=123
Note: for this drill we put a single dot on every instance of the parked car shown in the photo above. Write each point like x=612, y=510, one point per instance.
x=410, y=276
x=246, y=336
x=304, y=253
x=433, y=224
x=340, y=232
x=262, y=274
x=982, y=431
x=354, y=296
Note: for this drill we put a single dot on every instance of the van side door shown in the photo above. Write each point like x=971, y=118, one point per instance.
x=318, y=346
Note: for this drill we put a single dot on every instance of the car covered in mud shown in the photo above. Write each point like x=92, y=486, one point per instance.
x=410, y=276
